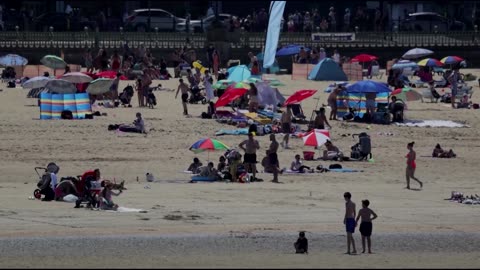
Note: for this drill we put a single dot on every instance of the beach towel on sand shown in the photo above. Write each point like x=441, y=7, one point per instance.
x=239, y=131
x=431, y=123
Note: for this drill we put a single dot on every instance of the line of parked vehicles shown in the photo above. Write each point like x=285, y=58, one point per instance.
x=165, y=21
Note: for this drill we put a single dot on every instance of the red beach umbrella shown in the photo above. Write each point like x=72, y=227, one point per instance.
x=364, y=58
x=299, y=96
x=110, y=75
x=229, y=96
x=316, y=137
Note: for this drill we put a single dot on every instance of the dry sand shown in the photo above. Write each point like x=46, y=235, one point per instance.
x=179, y=210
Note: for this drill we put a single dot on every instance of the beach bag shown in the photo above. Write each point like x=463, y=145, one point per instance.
x=66, y=114
x=11, y=84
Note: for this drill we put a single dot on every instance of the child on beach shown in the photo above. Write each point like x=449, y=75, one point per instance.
x=301, y=246
x=349, y=221
x=106, y=202
x=367, y=215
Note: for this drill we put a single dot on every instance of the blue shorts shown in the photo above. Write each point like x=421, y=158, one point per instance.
x=350, y=225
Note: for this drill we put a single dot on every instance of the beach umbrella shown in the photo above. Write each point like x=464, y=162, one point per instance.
x=316, y=137
x=405, y=64
x=13, y=60
x=99, y=86
x=291, y=49
x=299, y=96
x=430, y=62
x=416, y=53
x=36, y=82
x=239, y=73
x=76, y=77
x=406, y=94
x=53, y=61
x=110, y=74
x=208, y=144
x=451, y=60
x=368, y=86
x=252, y=80
x=229, y=96
x=61, y=87
x=222, y=84
x=362, y=58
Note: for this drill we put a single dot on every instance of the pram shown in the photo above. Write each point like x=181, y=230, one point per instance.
x=196, y=96
x=363, y=149
x=8, y=74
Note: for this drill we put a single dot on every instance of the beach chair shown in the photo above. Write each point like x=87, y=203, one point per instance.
x=464, y=89
x=297, y=112
x=376, y=72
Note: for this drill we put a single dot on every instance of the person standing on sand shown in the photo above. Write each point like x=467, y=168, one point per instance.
x=183, y=87
x=286, y=121
x=411, y=165
x=332, y=102
x=250, y=146
x=366, y=226
x=273, y=157
x=349, y=221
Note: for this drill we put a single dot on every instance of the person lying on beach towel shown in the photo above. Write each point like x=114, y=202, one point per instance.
x=438, y=152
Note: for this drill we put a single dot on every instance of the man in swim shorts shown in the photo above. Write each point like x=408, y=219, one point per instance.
x=367, y=215
x=349, y=221
x=250, y=146
x=184, y=88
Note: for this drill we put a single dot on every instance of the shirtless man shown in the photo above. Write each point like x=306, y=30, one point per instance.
x=250, y=147
x=286, y=121
x=321, y=121
x=367, y=216
x=273, y=157
x=184, y=88
x=332, y=102
x=349, y=221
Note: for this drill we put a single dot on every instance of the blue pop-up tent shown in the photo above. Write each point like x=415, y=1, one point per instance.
x=327, y=70
x=239, y=73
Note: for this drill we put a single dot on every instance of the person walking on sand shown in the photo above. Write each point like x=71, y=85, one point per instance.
x=411, y=165
x=250, y=146
x=183, y=87
x=286, y=121
x=367, y=215
x=273, y=157
x=349, y=221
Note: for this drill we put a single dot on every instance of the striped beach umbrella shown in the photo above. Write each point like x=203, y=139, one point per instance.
x=208, y=144
x=450, y=60
x=430, y=62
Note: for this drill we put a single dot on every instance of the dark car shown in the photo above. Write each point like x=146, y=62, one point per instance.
x=430, y=22
x=61, y=22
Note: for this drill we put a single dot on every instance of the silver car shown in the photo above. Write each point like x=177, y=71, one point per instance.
x=203, y=24
x=159, y=18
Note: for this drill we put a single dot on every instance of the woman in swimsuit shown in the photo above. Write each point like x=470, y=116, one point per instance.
x=411, y=165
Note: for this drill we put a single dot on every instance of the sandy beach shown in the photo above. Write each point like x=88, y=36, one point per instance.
x=232, y=224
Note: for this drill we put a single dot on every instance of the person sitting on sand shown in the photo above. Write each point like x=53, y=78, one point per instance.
x=321, y=121
x=297, y=165
x=195, y=166
x=138, y=125
x=332, y=151
x=222, y=164
x=105, y=196
x=209, y=171
x=440, y=153
x=301, y=246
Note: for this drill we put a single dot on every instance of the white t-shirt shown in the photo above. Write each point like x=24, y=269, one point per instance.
x=140, y=125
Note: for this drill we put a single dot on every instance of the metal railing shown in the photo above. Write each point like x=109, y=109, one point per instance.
x=163, y=40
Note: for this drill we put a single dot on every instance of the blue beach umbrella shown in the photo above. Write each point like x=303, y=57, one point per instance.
x=290, y=50
x=368, y=87
x=239, y=73
x=405, y=64
x=13, y=60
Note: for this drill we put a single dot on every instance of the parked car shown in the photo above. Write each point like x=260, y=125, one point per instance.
x=59, y=22
x=426, y=21
x=199, y=26
x=159, y=18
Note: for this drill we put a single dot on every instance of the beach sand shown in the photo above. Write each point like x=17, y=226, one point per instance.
x=414, y=226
